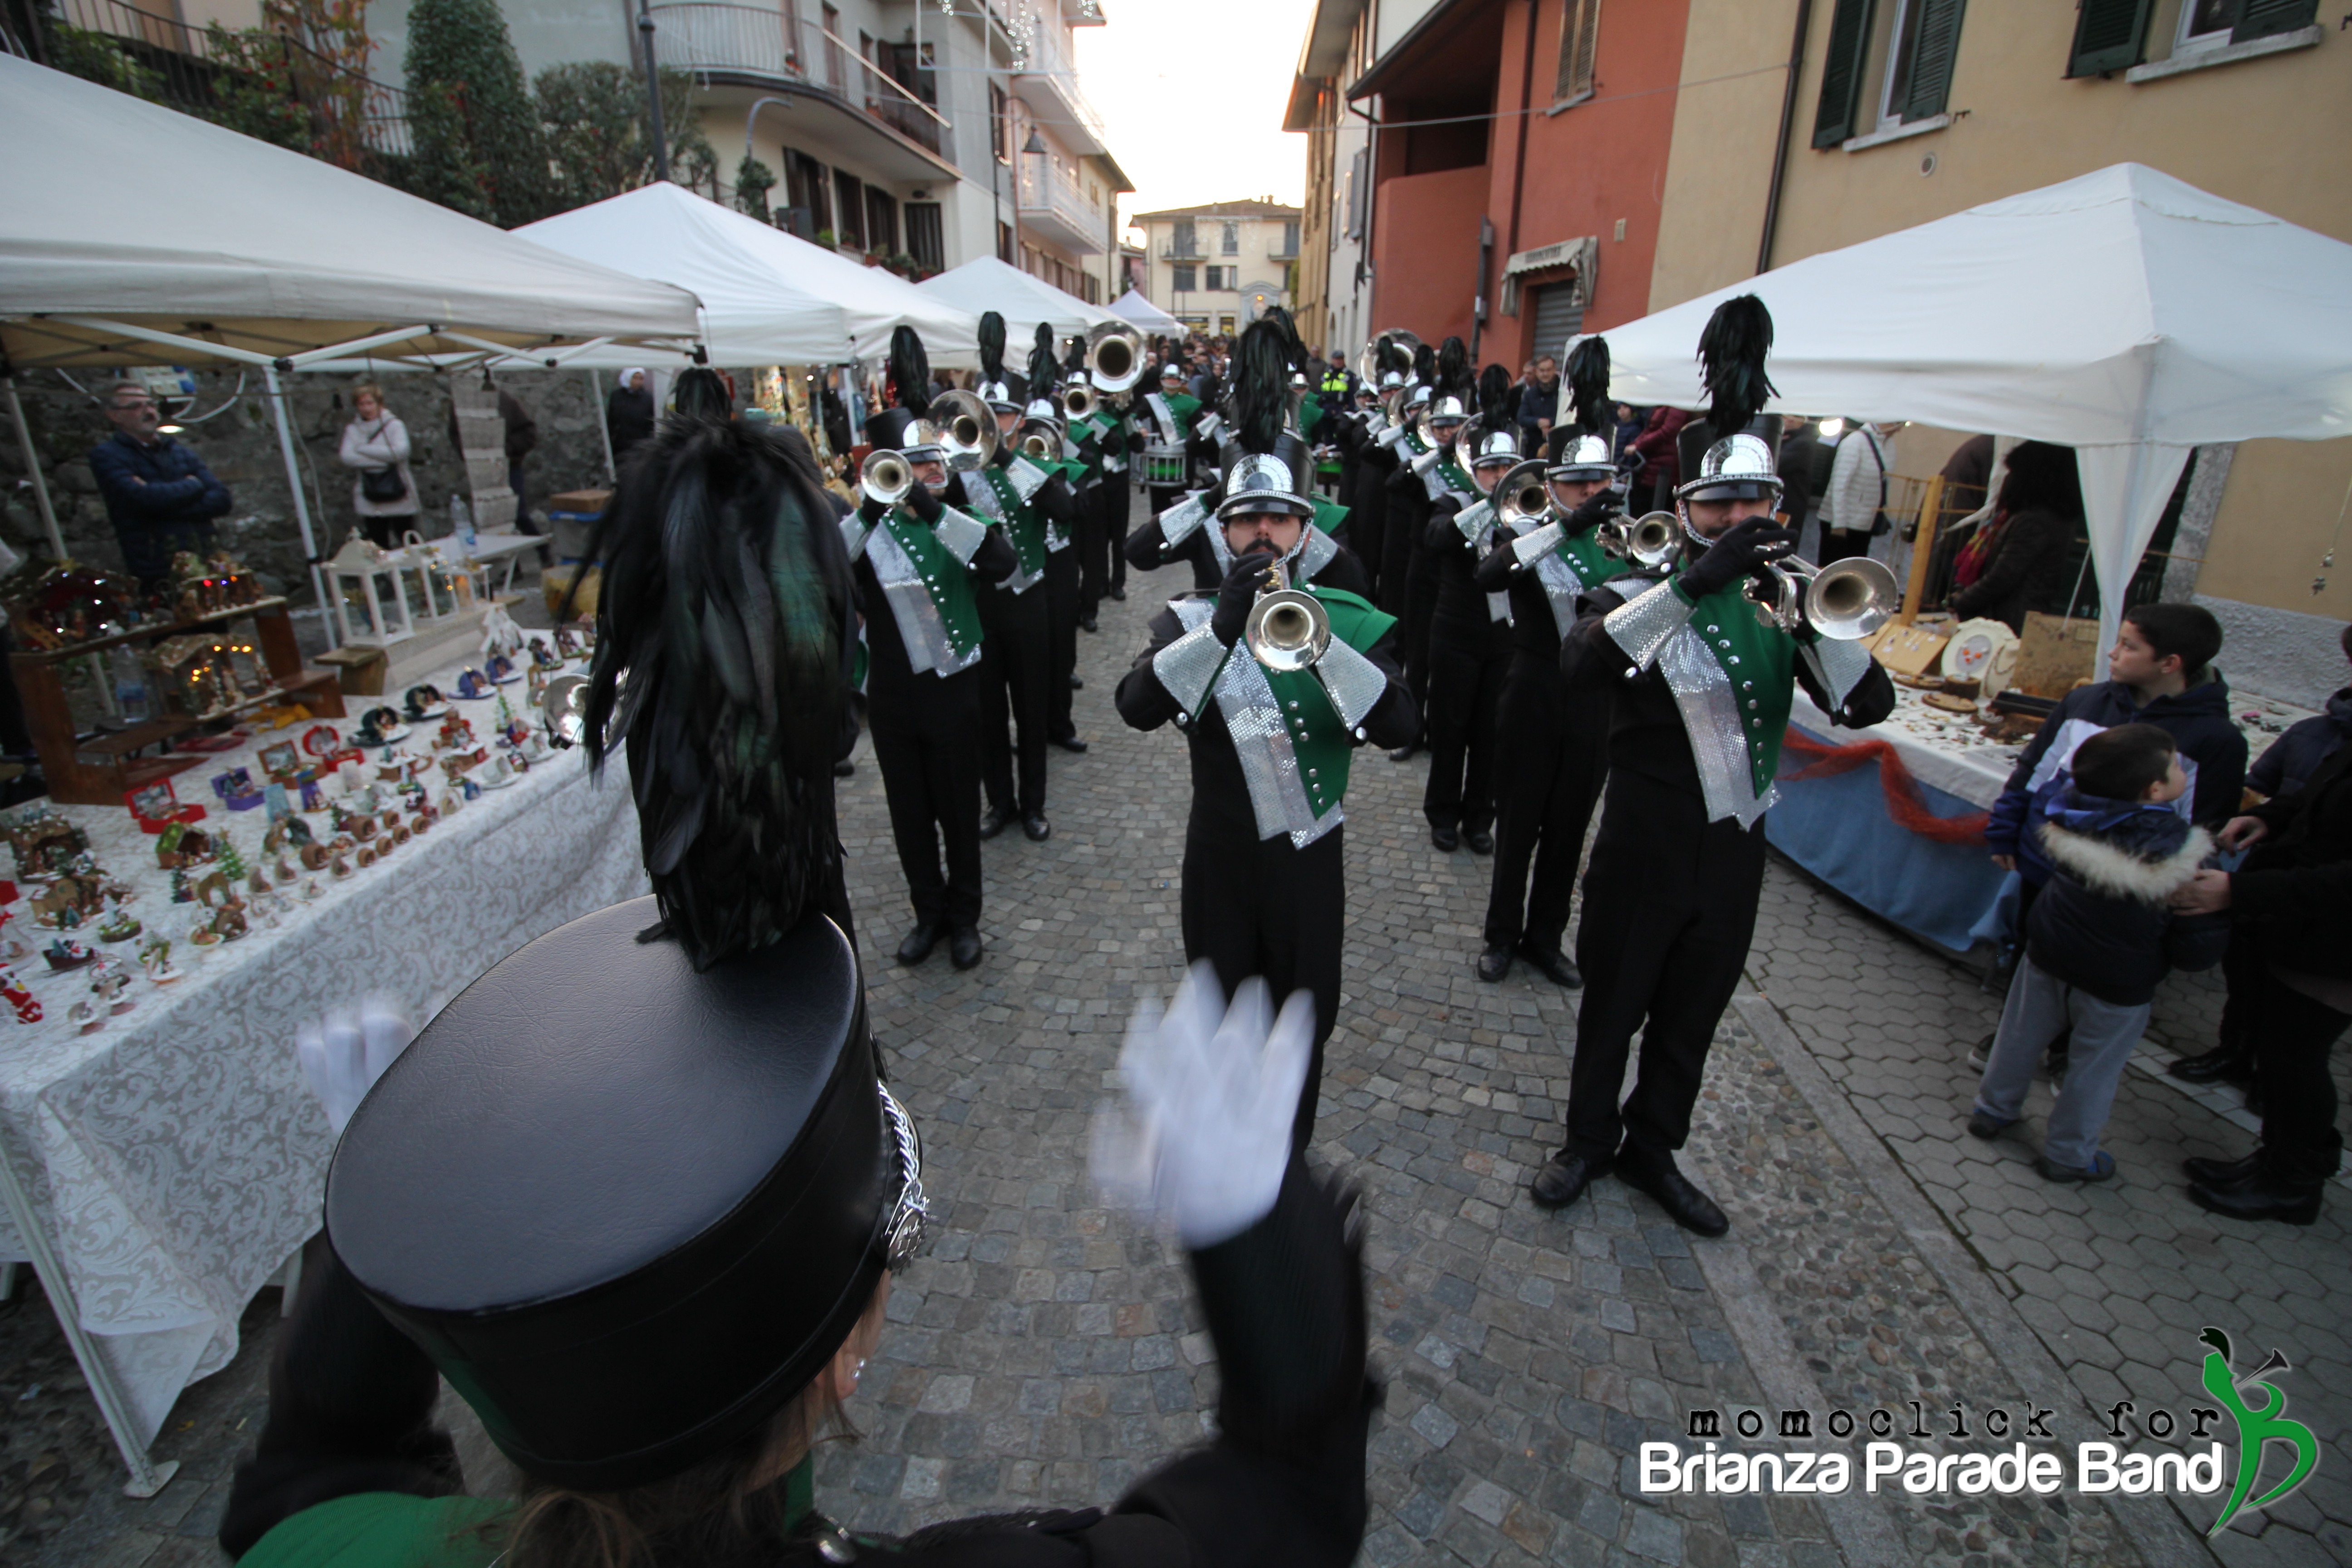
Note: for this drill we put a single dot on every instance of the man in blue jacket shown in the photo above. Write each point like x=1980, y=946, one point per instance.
x=159, y=495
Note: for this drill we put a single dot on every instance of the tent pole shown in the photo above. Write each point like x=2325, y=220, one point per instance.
x=278, y=400
x=33, y=466
x=1923, y=545
x=604, y=431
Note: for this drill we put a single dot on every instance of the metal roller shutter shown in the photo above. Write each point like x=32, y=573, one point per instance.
x=1558, y=316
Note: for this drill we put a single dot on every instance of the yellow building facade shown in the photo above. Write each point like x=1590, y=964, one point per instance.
x=1906, y=111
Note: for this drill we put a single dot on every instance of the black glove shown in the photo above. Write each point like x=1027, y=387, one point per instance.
x=1596, y=510
x=1748, y=545
x=1240, y=591
x=871, y=512
x=1134, y=440
x=924, y=504
x=1004, y=455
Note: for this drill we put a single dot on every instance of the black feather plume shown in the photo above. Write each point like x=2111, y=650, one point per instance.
x=1453, y=368
x=1493, y=386
x=1588, y=383
x=1074, y=360
x=1261, y=386
x=910, y=370
x=992, y=346
x=1731, y=353
x=1042, y=373
x=725, y=603
x=1424, y=364
x=1294, y=347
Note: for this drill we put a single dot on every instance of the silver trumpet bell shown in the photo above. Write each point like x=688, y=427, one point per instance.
x=1114, y=356
x=1846, y=601
x=564, y=707
x=1521, y=498
x=967, y=429
x=1078, y=401
x=1287, y=629
x=1041, y=440
x=1650, y=541
x=886, y=475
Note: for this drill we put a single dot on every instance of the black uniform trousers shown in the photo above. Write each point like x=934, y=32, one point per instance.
x=1061, y=591
x=1368, y=513
x=1260, y=906
x=1552, y=759
x=1090, y=542
x=1015, y=671
x=1467, y=662
x=929, y=755
x=2293, y=1036
x=1119, y=501
x=1669, y=907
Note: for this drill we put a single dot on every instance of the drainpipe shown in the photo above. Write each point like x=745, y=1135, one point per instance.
x=751, y=119
x=653, y=94
x=1519, y=168
x=1780, y=150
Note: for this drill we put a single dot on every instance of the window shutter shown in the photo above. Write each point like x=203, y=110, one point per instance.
x=1842, y=70
x=2268, y=18
x=2109, y=35
x=1936, y=47
x=1558, y=316
x=1356, y=180
x=1580, y=33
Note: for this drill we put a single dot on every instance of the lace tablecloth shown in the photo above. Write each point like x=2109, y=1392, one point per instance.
x=174, y=1157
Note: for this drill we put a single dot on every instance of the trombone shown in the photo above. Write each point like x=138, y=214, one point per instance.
x=1287, y=629
x=1846, y=601
x=967, y=429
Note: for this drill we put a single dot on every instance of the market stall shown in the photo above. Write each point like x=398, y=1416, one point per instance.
x=988, y=284
x=1144, y=316
x=166, y=1162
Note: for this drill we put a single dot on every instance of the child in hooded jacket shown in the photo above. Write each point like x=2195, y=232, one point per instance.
x=2098, y=940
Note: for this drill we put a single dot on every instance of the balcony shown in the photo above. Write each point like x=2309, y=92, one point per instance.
x=1054, y=210
x=765, y=50
x=1048, y=83
x=1174, y=250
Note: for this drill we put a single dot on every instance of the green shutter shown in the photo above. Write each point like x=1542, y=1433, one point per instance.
x=1933, y=50
x=2268, y=18
x=1842, y=70
x=2109, y=35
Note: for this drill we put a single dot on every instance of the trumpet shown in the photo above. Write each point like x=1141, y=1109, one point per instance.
x=1426, y=433
x=1041, y=440
x=1521, y=497
x=1649, y=541
x=1846, y=601
x=886, y=475
x=967, y=429
x=1287, y=629
x=1078, y=401
x=1114, y=356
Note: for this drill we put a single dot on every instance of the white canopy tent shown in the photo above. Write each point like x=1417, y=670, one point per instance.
x=768, y=297
x=988, y=284
x=2124, y=313
x=1143, y=315
x=238, y=252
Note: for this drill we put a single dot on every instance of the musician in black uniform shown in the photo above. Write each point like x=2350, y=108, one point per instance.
x=1427, y=473
x=1062, y=574
x=1469, y=637
x=1263, y=889
x=1701, y=692
x=1379, y=430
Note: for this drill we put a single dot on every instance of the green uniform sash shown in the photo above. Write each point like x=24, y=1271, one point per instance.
x=1022, y=526
x=945, y=580
x=1760, y=664
x=1325, y=745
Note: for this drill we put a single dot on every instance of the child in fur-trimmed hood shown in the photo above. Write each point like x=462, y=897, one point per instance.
x=2098, y=940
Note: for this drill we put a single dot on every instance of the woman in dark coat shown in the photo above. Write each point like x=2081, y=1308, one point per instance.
x=2021, y=553
x=629, y=413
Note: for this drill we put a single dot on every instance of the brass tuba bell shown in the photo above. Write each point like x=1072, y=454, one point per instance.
x=1287, y=628
x=1041, y=440
x=1114, y=356
x=1077, y=400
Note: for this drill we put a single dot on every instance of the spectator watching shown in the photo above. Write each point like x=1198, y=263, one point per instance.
x=160, y=497
x=375, y=443
x=2017, y=560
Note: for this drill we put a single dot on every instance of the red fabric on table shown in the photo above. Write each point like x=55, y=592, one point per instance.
x=1903, y=801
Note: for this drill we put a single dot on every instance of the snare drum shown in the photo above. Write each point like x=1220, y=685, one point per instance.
x=1164, y=467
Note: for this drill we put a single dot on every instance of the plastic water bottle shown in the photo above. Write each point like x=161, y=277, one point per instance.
x=461, y=524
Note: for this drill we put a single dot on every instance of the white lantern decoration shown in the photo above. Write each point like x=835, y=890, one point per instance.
x=370, y=594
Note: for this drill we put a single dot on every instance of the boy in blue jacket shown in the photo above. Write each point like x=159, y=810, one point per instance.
x=2098, y=940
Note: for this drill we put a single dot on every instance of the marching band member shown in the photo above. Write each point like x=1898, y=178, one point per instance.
x=1469, y=636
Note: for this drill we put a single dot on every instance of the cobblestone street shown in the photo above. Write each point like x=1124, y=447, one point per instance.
x=1045, y=1351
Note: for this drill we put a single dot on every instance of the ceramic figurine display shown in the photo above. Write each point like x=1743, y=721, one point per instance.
x=64, y=954
x=423, y=702
x=155, y=808
x=68, y=903
x=44, y=842
x=473, y=686
x=568, y=644
x=155, y=958
x=13, y=991
x=109, y=987
x=120, y=926
x=236, y=789
x=501, y=639
x=542, y=660
x=180, y=846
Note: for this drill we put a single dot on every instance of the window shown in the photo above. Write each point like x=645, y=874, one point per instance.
x=925, y=239
x=1005, y=242
x=2205, y=23
x=1182, y=242
x=1187, y=278
x=1094, y=289
x=1580, y=33
x=1357, y=175
x=1922, y=45
x=996, y=112
x=2110, y=33
x=849, y=195
x=809, y=187
x=881, y=222
x=1224, y=277
x=836, y=68
x=1232, y=243
x=1291, y=237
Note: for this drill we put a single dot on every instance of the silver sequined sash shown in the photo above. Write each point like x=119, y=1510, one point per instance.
x=920, y=626
x=1261, y=741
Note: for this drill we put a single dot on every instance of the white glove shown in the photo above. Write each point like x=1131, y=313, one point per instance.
x=1203, y=1134
x=343, y=1054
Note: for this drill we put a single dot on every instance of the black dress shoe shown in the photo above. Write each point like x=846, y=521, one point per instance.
x=843, y=770
x=1405, y=753
x=1494, y=964
x=1069, y=743
x=1564, y=1178
x=2260, y=1195
x=1481, y=842
x=919, y=944
x=1553, y=965
x=1119, y=594
x=2221, y=1172
x=1036, y=826
x=963, y=946
x=1683, y=1202
x=1086, y=624
x=1077, y=683
x=992, y=821
x=1447, y=838
x=2223, y=1064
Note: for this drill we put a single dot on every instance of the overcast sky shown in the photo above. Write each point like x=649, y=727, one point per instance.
x=1192, y=92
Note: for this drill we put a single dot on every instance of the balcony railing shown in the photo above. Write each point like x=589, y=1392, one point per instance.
x=1049, y=57
x=265, y=84
x=713, y=35
x=1169, y=250
x=1056, y=197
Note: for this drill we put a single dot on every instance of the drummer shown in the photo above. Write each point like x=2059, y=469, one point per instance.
x=1168, y=419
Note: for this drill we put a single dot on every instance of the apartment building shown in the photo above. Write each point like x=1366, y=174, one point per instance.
x=1218, y=267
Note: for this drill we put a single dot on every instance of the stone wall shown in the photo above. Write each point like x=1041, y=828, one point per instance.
x=239, y=443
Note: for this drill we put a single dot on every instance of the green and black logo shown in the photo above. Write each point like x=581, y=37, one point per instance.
x=2257, y=1428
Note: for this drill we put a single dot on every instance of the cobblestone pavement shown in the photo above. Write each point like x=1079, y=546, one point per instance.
x=1045, y=1350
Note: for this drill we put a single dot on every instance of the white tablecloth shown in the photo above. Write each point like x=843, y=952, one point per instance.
x=174, y=1157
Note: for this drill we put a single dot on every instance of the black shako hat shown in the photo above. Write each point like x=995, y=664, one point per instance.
x=630, y=1210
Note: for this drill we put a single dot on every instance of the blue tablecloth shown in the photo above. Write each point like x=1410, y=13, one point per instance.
x=1837, y=828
